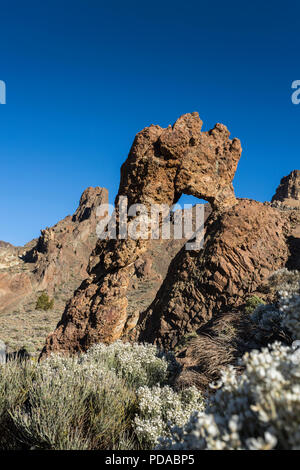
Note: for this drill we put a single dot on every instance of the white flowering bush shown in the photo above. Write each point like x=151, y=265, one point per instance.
x=285, y=280
x=286, y=316
x=87, y=401
x=268, y=318
x=161, y=408
x=121, y=397
x=138, y=364
x=259, y=409
x=289, y=305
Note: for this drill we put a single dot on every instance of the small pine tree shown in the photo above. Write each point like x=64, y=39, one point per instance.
x=44, y=302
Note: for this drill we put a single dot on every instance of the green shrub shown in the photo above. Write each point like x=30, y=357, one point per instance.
x=44, y=302
x=74, y=406
x=185, y=340
x=252, y=303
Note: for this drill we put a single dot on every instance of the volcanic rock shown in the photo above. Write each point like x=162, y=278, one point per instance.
x=4, y=244
x=161, y=166
x=56, y=262
x=288, y=192
x=244, y=244
x=62, y=251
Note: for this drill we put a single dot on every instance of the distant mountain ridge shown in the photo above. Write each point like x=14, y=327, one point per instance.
x=4, y=244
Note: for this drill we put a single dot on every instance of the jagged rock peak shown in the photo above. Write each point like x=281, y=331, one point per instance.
x=288, y=191
x=89, y=201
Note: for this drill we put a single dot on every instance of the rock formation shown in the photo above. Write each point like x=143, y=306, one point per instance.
x=245, y=242
x=62, y=251
x=55, y=262
x=243, y=246
x=161, y=166
x=5, y=244
x=288, y=192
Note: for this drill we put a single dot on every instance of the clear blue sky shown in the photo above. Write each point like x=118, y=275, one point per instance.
x=83, y=76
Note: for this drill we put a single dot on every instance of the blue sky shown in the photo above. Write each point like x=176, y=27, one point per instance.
x=84, y=76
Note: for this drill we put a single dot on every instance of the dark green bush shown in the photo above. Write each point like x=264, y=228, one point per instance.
x=252, y=303
x=44, y=302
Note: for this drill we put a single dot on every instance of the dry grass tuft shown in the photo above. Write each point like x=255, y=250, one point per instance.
x=218, y=343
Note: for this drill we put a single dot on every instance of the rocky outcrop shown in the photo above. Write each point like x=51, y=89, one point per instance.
x=161, y=166
x=55, y=262
x=150, y=271
x=15, y=282
x=244, y=244
x=288, y=192
x=62, y=251
x=245, y=241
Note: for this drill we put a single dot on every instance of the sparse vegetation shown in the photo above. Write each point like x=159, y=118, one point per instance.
x=123, y=396
x=253, y=302
x=44, y=302
x=259, y=408
x=186, y=339
x=89, y=401
x=23, y=326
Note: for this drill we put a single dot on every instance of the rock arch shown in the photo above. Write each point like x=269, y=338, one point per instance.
x=161, y=166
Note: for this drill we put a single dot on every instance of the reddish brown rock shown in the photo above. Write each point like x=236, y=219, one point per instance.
x=243, y=246
x=161, y=166
x=56, y=261
x=13, y=288
x=288, y=192
x=245, y=242
x=62, y=251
